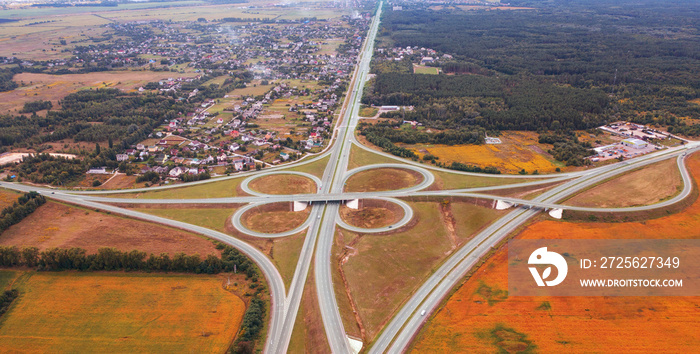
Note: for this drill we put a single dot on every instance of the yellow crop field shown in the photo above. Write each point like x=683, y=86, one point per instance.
x=116, y=312
x=519, y=150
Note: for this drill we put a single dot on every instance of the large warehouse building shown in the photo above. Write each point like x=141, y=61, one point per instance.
x=635, y=143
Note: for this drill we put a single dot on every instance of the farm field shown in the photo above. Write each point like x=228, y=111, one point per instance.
x=467, y=322
x=7, y=198
x=283, y=184
x=648, y=185
x=59, y=225
x=519, y=150
x=54, y=87
x=382, y=179
x=79, y=312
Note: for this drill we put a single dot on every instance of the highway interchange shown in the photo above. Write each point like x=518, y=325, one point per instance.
x=324, y=217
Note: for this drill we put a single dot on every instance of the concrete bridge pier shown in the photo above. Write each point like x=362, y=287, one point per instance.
x=556, y=213
x=353, y=204
x=503, y=205
x=299, y=206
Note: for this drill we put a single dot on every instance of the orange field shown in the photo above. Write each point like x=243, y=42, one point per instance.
x=519, y=150
x=115, y=312
x=7, y=198
x=481, y=317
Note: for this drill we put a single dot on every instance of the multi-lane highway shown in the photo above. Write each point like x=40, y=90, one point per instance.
x=323, y=220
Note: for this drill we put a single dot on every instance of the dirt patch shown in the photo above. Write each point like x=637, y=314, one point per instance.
x=274, y=217
x=283, y=184
x=382, y=179
x=372, y=214
x=449, y=220
x=120, y=181
x=59, y=225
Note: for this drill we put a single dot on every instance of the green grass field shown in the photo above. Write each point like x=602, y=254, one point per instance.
x=388, y=268
x=219, y=189
x=315, y=168
x=419, y=69
x=456, y=181
x=211, y=218
x=360, y=157
x=285, y=254
x=366, y=111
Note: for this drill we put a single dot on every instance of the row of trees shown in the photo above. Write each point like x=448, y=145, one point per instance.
x=388, y=146
x=25, y=205
x=6, y=83
x=6, y=299
x=35, y=106
x=251, y=326
x=111, y=259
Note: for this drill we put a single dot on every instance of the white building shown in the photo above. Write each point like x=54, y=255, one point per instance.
x=635, y=143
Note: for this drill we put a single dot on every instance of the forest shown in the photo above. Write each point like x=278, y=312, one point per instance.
x=645, y=55
x=565, y=65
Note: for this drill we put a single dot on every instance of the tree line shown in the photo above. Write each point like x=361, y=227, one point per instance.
x=251, y=326
x=35, y=106
x=112, y=259
x=23, y=207
x=6, y=299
